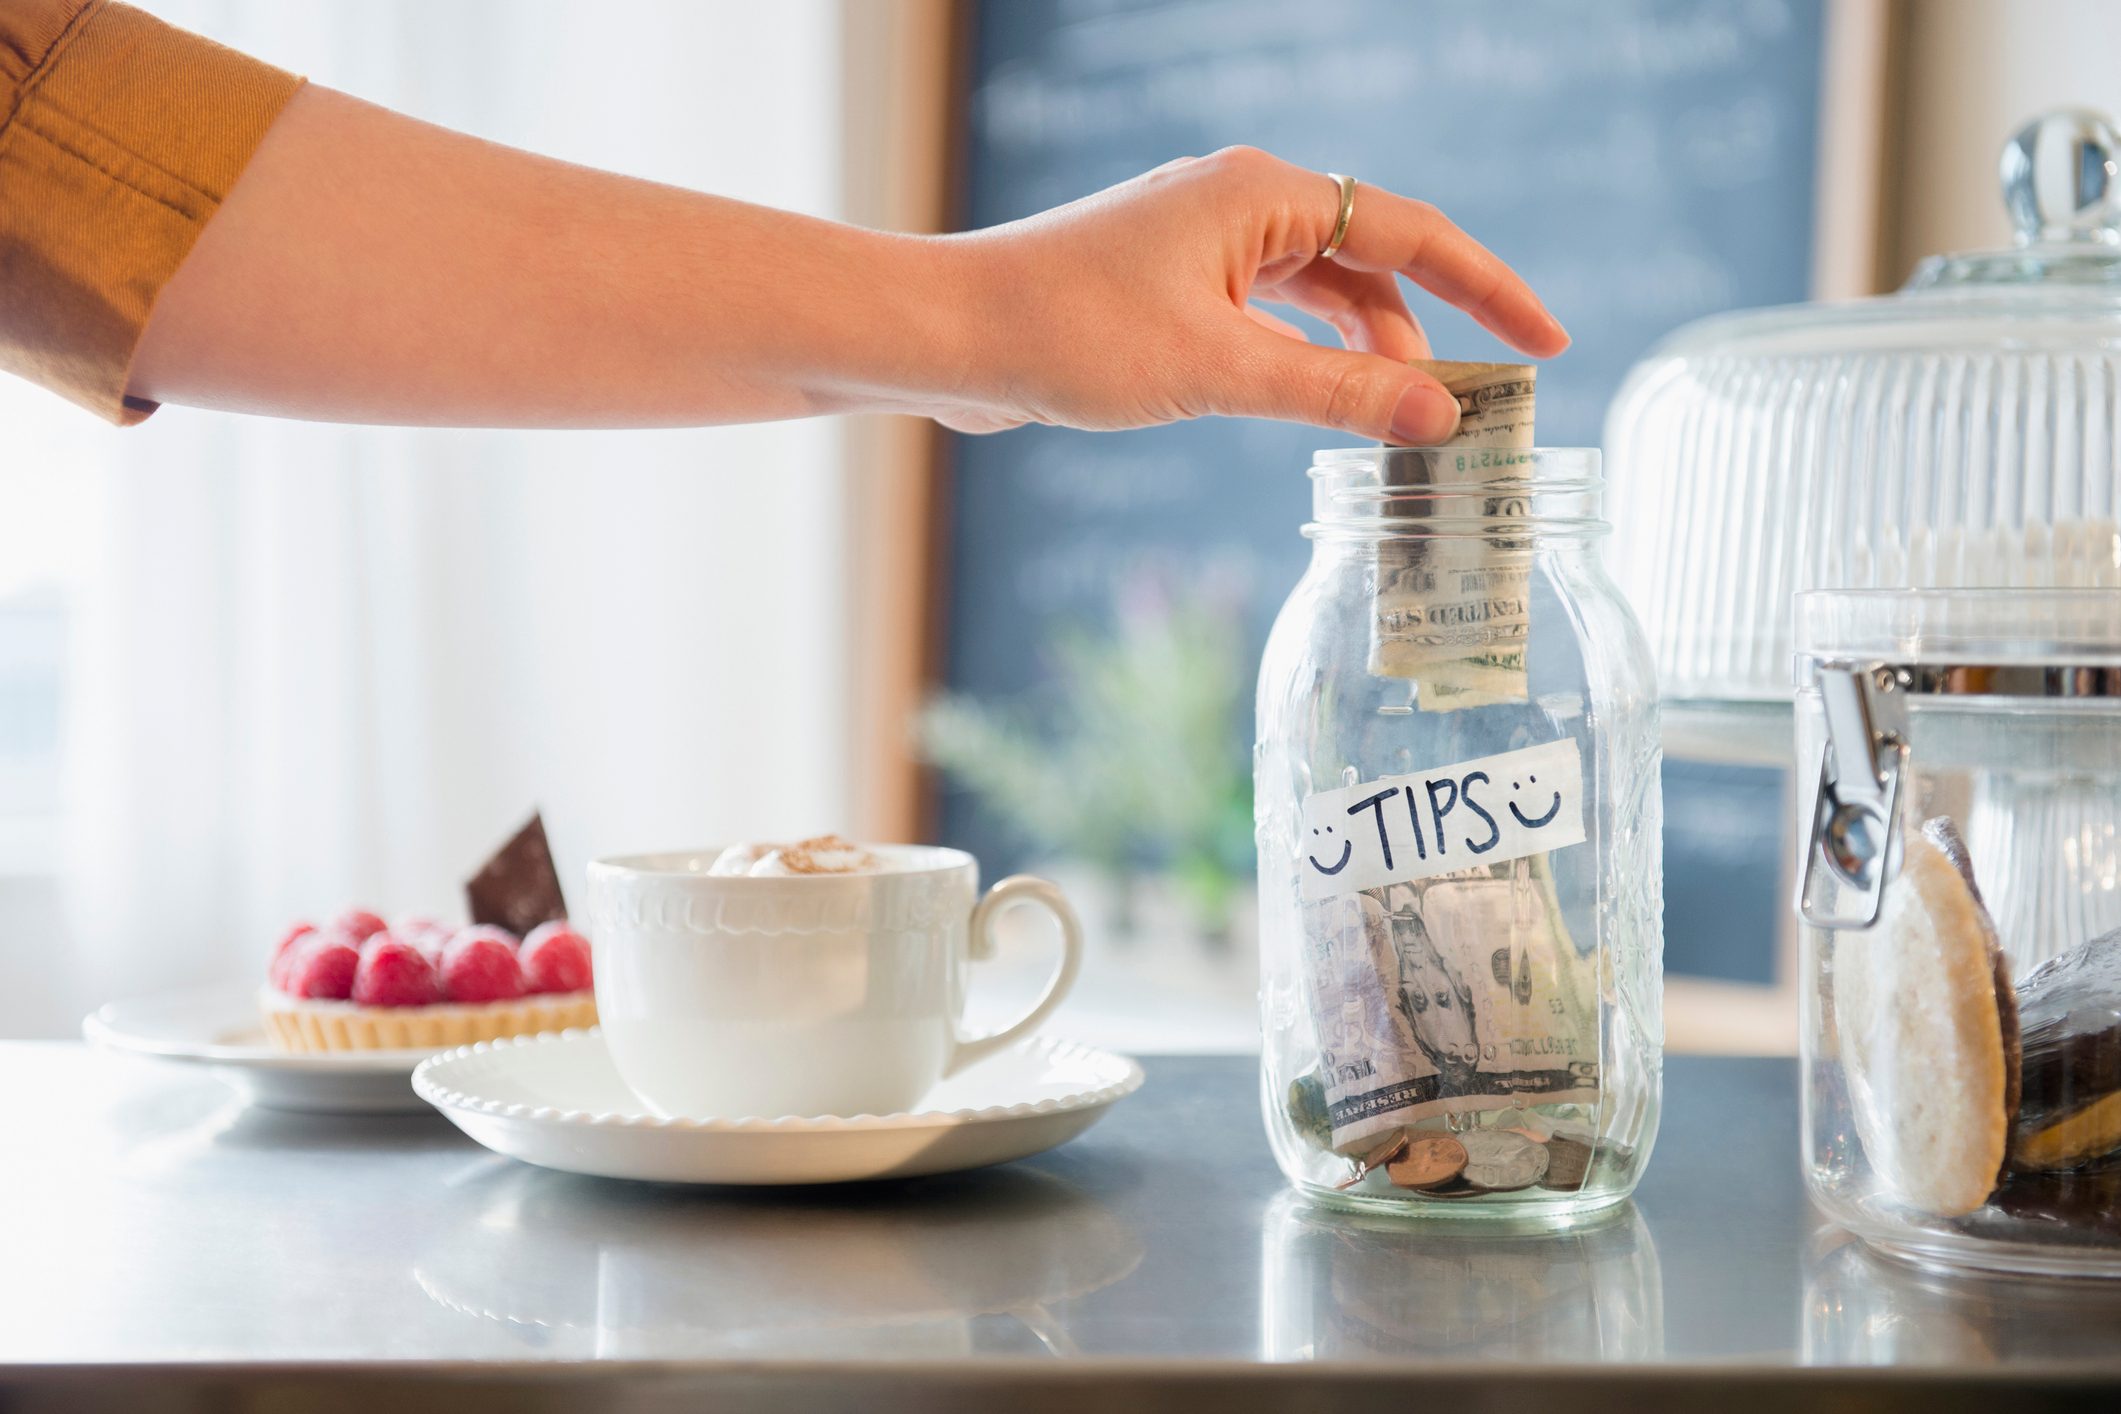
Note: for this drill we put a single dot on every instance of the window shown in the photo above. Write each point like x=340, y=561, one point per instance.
x=47, y=486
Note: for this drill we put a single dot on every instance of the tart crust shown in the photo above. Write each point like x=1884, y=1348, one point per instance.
x=296, y=1024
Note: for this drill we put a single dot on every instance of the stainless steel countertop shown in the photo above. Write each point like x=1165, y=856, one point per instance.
x=156, y=1235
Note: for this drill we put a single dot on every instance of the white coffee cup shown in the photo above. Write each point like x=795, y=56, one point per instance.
x=824, y=994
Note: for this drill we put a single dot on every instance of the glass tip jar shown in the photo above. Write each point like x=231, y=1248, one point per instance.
x=1959, y=838
x=1458, y=820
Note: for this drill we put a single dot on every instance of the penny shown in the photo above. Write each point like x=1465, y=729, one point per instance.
x=1502, y=1162
x=1567, y=1163
x=1430, y=1161
x=1386, y=1152
x=1377, y=1158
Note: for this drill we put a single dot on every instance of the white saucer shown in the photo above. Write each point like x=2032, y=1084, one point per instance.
x=557, y=1101
x=218, y=1027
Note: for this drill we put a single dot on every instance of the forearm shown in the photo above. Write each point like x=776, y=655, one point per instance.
x=371, y=268
x=367, y=267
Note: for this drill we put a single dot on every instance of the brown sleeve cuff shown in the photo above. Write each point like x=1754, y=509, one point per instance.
x=119, y=139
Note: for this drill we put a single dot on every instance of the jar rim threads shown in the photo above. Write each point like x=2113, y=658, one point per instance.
x=1449, y=493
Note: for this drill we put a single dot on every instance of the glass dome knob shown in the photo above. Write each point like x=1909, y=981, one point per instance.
x=2062, y=178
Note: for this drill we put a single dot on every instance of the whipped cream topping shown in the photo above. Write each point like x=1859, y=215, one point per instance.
x=825, y=854
x=736, y=861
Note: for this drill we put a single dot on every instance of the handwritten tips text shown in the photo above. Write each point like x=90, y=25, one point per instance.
x=1437, y=821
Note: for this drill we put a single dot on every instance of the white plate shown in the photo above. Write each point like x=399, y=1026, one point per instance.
x=218, y=1027
x=558, y=1101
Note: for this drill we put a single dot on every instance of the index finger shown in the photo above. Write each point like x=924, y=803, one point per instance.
x=1391, y=232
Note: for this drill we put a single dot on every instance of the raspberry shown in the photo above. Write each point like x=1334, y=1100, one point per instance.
x=283, y=953
x=358, y=924
x=426, y=934
x=556, y=959
x=323, y=970
x=394, y=973
x=479, y=965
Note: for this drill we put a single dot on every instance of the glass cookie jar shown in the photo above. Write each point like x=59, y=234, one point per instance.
x=1959, y=838
x=1458, y=821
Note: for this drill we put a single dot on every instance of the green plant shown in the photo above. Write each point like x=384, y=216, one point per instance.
x=1133, y=763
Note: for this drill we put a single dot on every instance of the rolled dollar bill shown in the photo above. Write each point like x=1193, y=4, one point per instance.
x=1453, y=614
x=1494, y=400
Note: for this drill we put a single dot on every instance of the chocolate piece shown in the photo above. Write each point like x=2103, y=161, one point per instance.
x=2087, y=1200
x=518, y=888
x=2070, y=1010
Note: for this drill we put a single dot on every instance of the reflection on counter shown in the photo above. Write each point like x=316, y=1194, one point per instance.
x=1864, y=1309
x=1348, y=1286
x=605, y=1269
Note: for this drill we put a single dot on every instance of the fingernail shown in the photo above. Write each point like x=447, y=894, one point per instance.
x=1426, y=416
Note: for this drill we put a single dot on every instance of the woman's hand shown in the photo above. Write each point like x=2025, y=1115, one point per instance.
x=372, y=268
x=1135, y=306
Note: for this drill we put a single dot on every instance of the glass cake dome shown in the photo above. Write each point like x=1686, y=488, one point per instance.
x=1962, y=433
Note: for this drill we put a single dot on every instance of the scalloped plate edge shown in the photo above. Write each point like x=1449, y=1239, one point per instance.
x=429, y=1081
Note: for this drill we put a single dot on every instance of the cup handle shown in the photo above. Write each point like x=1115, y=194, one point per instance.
x=1021, y=888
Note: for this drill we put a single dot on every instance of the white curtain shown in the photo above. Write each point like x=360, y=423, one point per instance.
x=320, y=665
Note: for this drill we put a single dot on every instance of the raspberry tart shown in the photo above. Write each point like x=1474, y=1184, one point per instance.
x=356, y=985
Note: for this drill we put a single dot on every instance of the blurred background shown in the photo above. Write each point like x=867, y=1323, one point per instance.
x=252, y=671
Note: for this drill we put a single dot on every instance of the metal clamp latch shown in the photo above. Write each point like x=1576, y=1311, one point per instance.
x=1856, y=798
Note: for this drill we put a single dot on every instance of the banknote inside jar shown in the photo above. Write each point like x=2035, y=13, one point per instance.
x=1446, y=997
x=1453, y=615
x=1457, y=1006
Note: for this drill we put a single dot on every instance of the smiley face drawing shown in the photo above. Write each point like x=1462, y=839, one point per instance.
x=1347, y=852
x=1526, y=821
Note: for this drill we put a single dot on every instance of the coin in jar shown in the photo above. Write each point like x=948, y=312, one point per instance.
x=1568, y=1161
x=1375, y=1159
x=1430, y=1161
x=1456, y=1188
x=1501, y=1162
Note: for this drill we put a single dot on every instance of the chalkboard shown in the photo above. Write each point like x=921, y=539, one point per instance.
x=1641, y=162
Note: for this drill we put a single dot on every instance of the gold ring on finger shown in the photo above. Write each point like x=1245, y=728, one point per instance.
x=1347, y=213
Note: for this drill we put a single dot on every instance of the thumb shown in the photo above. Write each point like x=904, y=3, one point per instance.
x=1354, y=392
